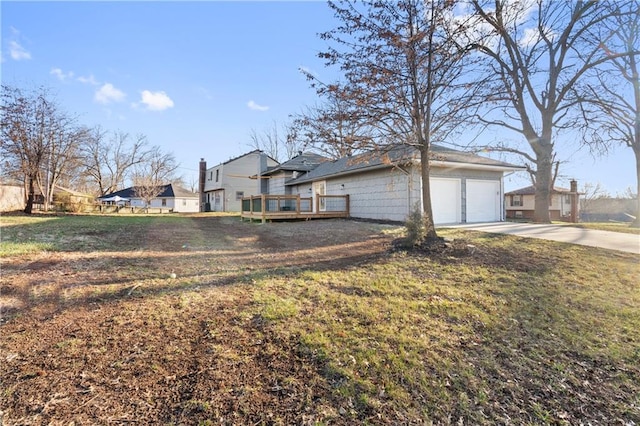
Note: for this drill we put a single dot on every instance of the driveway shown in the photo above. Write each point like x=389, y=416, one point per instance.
x=567, y=234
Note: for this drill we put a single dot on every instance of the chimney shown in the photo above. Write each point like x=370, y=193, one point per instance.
x=201, y=178
x=575, y=199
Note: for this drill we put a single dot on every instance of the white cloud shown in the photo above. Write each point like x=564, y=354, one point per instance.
x=202, y=91
x=88, y=80
x=156, y=101
x=62, y=76
x=108, y=93
x=531, y=36
x=254, y=106
x=17, y=52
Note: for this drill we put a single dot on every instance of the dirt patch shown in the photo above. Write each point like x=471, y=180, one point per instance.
x=108, y=336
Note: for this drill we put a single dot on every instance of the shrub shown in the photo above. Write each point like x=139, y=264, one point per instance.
x=416, y=227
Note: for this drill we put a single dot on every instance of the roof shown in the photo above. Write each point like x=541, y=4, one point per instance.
x=531, y=190
x=58, y=188
x=255, y=151
x=303, y=162
x=168, y=191
x=398, y=155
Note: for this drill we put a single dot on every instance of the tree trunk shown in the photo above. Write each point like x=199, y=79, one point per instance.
x=427, y=209
x=636, y=222
x=544, y=179
x=30, y=195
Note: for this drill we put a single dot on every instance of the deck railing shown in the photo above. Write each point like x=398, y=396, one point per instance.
x=267, y=207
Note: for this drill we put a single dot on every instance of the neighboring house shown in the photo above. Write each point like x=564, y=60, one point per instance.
x=12, y=198
x=171, y=197
x=563, y=205
x=70, y=200
x=223, y=186
x=387, y=186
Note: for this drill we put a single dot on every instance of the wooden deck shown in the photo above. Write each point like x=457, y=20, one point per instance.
x=293, y=207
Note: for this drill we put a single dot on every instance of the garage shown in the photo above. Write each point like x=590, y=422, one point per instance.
x=483, y=201
x=445, y=200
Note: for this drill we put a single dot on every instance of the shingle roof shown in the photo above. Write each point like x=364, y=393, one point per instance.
x=531, y=190
x=168, y=191
x=302, y=162
x=395, y=155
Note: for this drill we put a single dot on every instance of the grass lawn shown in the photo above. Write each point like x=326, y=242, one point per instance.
x=608, y=226
x=319, y=322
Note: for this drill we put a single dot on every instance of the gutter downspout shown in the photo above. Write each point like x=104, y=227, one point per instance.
x=409, y=186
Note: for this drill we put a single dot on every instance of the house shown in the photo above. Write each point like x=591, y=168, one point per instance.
x=69, y=200
x=388, y=185
x=222, y=187
x=563, y=205
x=278, y=177
x=12, y=197
x=171, y=197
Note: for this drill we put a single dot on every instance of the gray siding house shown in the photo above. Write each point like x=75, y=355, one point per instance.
x=278, y=177
x=224, y=185
x=387, y=185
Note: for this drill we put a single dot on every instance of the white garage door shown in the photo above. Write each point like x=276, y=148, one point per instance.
x=483, y=201
x=445, y=200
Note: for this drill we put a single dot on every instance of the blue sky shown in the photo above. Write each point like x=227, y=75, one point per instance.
x=196, y=77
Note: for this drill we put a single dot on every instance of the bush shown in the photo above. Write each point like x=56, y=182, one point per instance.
x=416, y=227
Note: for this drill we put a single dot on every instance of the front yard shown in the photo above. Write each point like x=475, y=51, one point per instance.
x=206, y=320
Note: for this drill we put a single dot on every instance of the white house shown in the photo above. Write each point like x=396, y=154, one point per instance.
x=223, y=186
x=171, y=197
x=387, y=185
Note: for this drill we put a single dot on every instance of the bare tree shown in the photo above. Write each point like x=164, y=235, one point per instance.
x=109, y=158
x=335, y=128
x=275, y=142
x=403, y=70
x=539, y=51
x=614, y=90
x=37, y=140
x=61, y=161
x=590, y=192
x=151, y=177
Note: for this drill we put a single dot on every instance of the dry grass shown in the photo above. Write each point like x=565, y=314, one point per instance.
x=625, y=228
x=309, y=323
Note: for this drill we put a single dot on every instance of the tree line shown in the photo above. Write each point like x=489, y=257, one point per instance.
x=43, y=147
x=544, y=73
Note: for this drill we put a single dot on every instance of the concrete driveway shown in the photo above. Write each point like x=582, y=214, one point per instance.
x=567, y=234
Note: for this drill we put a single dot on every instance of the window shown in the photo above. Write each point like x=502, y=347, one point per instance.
x=217, y=174
x=516, y=200
x=239, y=195
x=184, y=202
x=210, y=175
x=164, y=202
x=567, y=199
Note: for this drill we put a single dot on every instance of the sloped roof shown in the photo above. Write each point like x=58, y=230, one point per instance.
x=396, y=155
x=168, y=191
x=255, y=151
x=531, y=190
x=57, y=188
x=303, y=162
